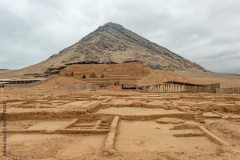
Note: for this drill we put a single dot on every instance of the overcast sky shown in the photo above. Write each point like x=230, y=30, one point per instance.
x=206, y=32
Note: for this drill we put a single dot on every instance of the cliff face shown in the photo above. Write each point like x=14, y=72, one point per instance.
x=113, y=43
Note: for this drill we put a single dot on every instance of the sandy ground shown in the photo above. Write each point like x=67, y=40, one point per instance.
x=227, y=130
x=139, y=136
x=38, y=146
x=135, y=139
x=135, y=111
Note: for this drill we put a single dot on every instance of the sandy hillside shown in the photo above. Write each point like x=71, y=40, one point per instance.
x=58, y=83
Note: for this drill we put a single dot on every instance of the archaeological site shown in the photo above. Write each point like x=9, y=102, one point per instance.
x=117, y=96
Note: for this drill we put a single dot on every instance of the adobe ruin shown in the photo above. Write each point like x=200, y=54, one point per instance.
x=88, y=107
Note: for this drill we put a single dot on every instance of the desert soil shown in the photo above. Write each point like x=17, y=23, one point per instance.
x=36, y=116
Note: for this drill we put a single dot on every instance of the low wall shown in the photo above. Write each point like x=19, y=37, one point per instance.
x=212, y=137
x=212, y=88
x=228, y=91
x=207, y=134
x=27, y=85
x=138, y=105
x=65, y=131
x=175, y=88
x=185, y=116
x=83, y=86
x=114, y=88
x=93, y=107
x=40, y=115
x=109, y=146
x=68, y=124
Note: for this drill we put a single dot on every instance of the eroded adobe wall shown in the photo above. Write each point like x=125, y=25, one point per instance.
x=228, y=91
x=24, y=85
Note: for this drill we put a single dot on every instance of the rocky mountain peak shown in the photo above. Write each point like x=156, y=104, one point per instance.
x=113, y=25
x=114, y=43
x=109, y=27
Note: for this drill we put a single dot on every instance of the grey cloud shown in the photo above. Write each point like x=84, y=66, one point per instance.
x=205, y=32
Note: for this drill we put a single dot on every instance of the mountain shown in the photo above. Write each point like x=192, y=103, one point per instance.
x=114, y=43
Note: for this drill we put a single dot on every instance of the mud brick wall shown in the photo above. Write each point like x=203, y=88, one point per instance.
x=228, y=91
x=212, y=88
x=83, y=86
x=28, y=85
